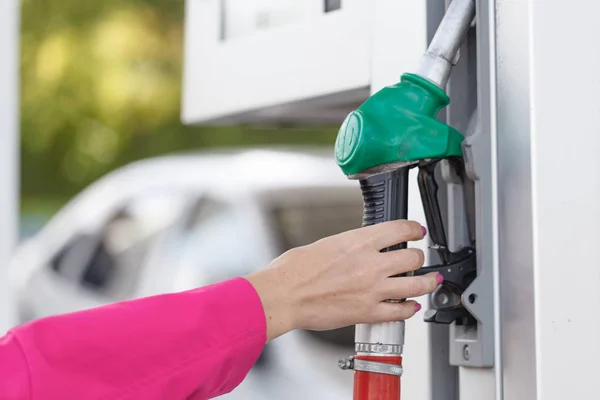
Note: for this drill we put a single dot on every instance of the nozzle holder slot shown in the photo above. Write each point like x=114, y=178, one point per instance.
x=467, y=201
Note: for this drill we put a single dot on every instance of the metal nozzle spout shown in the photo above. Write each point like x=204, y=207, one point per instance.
x=436, y=64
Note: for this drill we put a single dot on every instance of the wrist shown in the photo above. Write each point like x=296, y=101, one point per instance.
x=277, y=298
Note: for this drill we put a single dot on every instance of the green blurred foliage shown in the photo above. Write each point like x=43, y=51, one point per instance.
x=100, y=87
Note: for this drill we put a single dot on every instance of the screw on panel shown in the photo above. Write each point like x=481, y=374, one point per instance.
x=472, y=298
x=466, y=352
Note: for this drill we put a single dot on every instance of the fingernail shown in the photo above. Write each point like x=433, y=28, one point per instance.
x=440, y=279
x=424, y=230
x=417, y=307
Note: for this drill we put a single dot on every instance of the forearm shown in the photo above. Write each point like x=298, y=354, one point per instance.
x=199, y=343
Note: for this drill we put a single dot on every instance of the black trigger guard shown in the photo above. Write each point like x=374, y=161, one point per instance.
x=458, y=268
x=428, y=189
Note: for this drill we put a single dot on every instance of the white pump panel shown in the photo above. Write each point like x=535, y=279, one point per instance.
x=306, y=61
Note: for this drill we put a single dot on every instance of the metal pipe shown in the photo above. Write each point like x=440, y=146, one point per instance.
x=382, y=338
x=442, y=54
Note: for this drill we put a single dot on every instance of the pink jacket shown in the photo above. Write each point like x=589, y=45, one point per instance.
x=195, y=345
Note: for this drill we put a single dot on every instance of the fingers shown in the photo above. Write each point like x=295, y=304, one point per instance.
x=409, y=286
x=390, y=233
x=388, y=312
x=401, y=261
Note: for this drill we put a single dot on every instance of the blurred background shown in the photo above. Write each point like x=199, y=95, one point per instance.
x=101, y=87
x=119, y=199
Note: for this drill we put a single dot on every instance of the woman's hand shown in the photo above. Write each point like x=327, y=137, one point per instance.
x=344, y=280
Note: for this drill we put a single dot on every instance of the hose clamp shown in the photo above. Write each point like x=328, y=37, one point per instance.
x=393, y=349
x=370, y=366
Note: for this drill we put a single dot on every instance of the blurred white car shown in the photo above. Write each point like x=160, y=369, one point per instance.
x=178, y=222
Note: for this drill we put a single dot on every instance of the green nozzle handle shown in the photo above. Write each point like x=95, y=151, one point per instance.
x=397, y=125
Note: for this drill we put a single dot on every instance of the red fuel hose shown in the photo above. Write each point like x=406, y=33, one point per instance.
x=377, y=386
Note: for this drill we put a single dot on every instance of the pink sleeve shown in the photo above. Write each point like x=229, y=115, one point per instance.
x=196, y=345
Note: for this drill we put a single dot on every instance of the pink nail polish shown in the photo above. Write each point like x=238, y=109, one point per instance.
x=424, y=230
x=417, y=307
x=440, y=279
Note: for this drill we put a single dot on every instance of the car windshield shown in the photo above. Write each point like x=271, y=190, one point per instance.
x=299, y=225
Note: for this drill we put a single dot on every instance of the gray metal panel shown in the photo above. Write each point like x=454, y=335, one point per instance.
x=515, y=200
x=478, y=384
x=472, y=111
x=473, y=346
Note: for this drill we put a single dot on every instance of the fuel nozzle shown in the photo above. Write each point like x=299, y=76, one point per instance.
x=395, y=130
